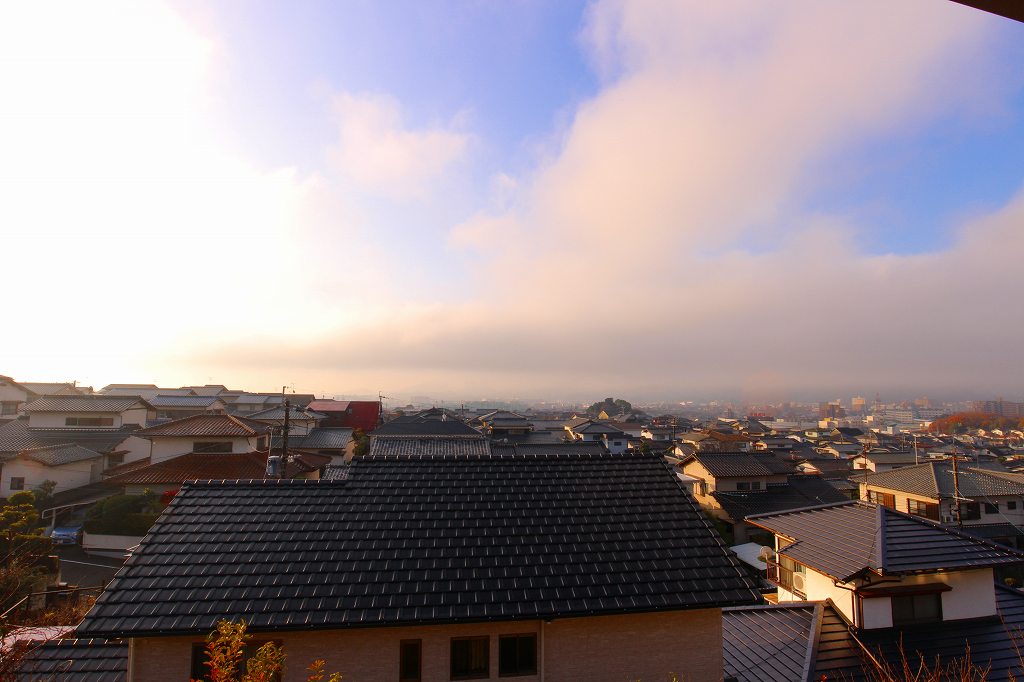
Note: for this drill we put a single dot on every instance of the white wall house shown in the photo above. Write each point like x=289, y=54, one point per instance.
x=87, y=412
x=881, y=568
x=209, y=433
x=69, y=466
x=13, y=396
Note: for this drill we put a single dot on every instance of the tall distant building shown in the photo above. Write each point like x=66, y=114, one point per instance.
x=858, y=405
x=1000, y=407
x=831, y=410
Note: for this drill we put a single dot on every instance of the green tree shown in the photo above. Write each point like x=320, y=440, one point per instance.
x=361, y=443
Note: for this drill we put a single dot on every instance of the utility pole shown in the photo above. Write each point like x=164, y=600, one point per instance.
x=284, y=436
x=956, y=493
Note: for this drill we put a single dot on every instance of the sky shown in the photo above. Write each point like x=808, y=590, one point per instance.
x=764, y=200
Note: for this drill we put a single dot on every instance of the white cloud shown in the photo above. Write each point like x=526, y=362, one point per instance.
x=380, y=155
x=621, y=263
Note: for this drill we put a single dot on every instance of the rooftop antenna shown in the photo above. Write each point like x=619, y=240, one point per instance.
x=916, y=458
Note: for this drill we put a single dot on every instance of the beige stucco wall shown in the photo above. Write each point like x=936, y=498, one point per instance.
x=68, y=476
x=647, y=647
x=171, y=447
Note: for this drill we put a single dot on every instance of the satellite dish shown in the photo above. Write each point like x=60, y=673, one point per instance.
x=766, y=554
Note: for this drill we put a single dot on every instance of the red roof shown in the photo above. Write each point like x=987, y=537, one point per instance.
x=206, y=425
x=203, y=466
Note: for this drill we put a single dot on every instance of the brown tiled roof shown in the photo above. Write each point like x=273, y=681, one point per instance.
x=206, y=425
x=204, y=466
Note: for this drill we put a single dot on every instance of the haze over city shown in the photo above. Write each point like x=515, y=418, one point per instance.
x=770, y=201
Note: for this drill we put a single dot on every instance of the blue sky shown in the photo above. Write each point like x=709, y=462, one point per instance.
x=495, y=198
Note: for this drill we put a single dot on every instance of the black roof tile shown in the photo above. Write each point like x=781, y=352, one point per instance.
x=421, y=540
x=75, y=660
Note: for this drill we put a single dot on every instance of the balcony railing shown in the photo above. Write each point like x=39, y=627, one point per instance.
x=783, y=577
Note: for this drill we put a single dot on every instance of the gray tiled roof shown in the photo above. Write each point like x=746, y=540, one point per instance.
x=224, y=425
x=768, y=643
x=326, y=438
x=276, y=414
x=57, y=455
x=406, y=446
x=752, y=635
x=846, y=539
x=422, y=541
x=424, y=428
x=336, y=472
x=84, y=403
x=16, y=436
x=559, y=448
x=738, y=464
x=935, y=479
x=798, y=491
x=75, y=660
x=183, y=400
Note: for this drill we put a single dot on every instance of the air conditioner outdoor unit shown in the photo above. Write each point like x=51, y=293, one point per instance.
x=798, y=581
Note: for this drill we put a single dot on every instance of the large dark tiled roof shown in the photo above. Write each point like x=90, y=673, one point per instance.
x=846, y=539
x=425, y=540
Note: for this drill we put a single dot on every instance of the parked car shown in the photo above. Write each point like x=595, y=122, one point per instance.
x=66, y=535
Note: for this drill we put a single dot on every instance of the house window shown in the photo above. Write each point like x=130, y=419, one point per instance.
x=991, y=508
x=17, y=482
x=115, y=459
x=884, y=499
x=1011, y=505
x=88, y=421
x=211, y=446
x=470, y=658
x=925, y=509
x=9, y=407
x=410, y=660
x=742, y=485
x=517, y=655
x=970, y=511
x=702, y=488
x=755, y=485
x=917, y=608
x=200, y=657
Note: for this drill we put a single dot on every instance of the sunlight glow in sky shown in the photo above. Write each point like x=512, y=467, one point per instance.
x=660, y=199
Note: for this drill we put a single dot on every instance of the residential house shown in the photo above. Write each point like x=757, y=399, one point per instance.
x=13, y=396
x=67, y=465
x=553, y=567
x=614, y=438
x=180, y=406
x=364, y=415
x=894, y=581
x=716, y=441
x=331, y=441
x=205, y=433
x=144, y=391
x=731, y=486
x=88, y=411
x=986, y=502
x=301, y=420
x=824, y=466
x=504, y=424
x=877, y=461
x=170, y=474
